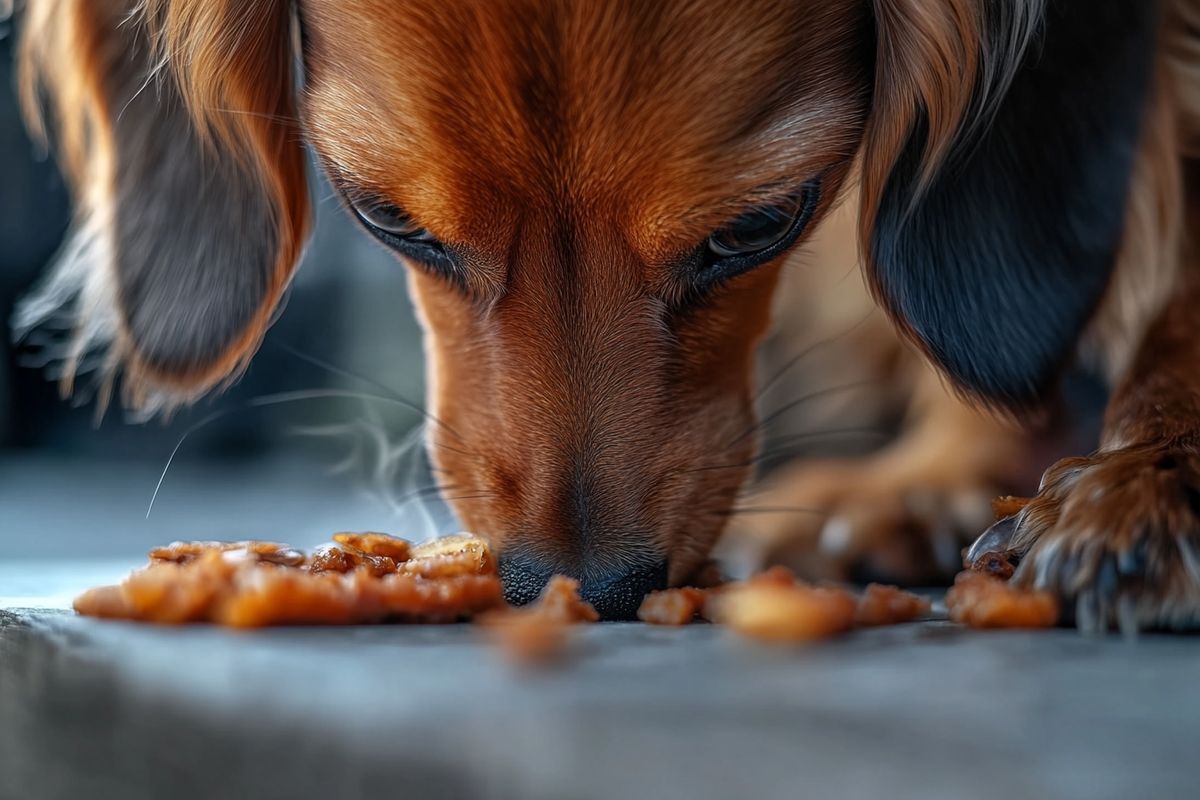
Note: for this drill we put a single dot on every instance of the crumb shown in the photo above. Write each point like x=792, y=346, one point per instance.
x=672, y=606
x=1007, y=506
x=771, y=609
x=888, y=605
x=537, y=634
x=981, y=600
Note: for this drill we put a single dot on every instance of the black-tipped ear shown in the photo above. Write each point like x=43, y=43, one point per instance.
x=996, y=267
x=189, y=175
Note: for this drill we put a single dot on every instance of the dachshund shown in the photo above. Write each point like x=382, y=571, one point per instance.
x=595, y=201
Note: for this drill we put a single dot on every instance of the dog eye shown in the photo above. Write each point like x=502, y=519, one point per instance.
x=396, y=228
x=759, y=235
x=755, y=230
x=392, y=220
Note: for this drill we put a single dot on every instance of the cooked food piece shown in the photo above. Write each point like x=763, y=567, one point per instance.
x=995, y=564
x=1008, y=506
x=251, y=584
x=561, y=602
x=333, y=558
x=272, y=552
x=165, y=591
x=280, y=597
x=376, y=544
x=769, y=609
x=672, y=606
x=985, y=601
x=460, y=554
x=772, y=576
x=107, y=602
x=537, y=634
x=257, y=598
x=888, y=605
x=774, y=605
x=527, y=639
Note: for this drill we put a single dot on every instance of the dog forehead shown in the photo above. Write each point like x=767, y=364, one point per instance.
x=654, y=109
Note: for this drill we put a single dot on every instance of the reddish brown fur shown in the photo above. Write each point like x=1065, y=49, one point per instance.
x=571, y=154
x=580, y=401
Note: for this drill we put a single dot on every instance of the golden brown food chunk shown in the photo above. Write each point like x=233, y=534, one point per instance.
x=1007, y=506
x=461, y=554
x=537, y=634
x=271, y=552
x=252, y=584
x=984, y=601
x=560, y=600
x=672, y=606
x=107, y=602
x=772, y=576
x=284, y=597
x=376, y=544
x=332, y=558
x=292, y=598
x=888, y=605
x=165, y=592
x=769, y=609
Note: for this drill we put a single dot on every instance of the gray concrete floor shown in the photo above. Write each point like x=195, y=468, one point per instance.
x=115, y=710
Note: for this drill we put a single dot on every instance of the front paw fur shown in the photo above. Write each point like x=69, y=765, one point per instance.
x=1116, y=536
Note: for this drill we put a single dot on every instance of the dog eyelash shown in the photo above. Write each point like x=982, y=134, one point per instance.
x=417, y=245
x=715, y=262
x=421, y=248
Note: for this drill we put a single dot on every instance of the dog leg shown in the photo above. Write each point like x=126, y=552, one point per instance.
x=902, y=514
x=1117, y=534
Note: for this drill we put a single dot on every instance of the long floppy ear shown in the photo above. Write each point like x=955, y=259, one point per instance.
x=997, y=168
x=176, y=125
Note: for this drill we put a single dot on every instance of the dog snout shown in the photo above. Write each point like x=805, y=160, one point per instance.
x=615, y=592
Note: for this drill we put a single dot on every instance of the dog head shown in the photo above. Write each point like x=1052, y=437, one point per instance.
x=593, y=201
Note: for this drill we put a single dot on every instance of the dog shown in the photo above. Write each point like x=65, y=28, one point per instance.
x=595, y=202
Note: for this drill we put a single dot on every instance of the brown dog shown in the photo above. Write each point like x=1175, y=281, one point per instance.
x=595, y=200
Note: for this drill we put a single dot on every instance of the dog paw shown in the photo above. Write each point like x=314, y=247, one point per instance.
x=852, y=520
x=1116, y=536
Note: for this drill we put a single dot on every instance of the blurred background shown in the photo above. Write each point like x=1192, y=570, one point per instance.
x=78, y=484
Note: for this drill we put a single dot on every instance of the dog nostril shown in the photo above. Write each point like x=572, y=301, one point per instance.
x=615, y=596
x=523, y=580
x=619, y=596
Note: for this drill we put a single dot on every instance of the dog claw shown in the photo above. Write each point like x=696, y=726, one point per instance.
x=996, y=539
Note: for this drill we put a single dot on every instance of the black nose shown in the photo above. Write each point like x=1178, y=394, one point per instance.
x=614, y=595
